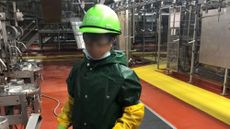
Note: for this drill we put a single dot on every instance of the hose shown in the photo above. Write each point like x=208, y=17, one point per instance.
x=54, y=99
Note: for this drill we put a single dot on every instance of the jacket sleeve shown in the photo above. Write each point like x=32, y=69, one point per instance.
x=129, y=95
x=64, y=118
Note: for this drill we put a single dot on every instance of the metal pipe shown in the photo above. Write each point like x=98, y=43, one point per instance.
x=4, y=33
x=225, y=82
x=22, y=44
x=174, y=21
x=194, y=44
x=17, y=49
x=3, y=64
x=159, y=40
x=82, y=6
x=133, y=24
x=127, y=31
x=189, y=22
x=168, y=38
x=144, y=29
x=30, y=24
x=15, y=13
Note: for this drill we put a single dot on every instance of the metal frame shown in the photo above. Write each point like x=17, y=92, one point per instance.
x=159, y=39
x=194, y=41
x=15, y=100
x=128, y=4
x=127, y=32
x=173, y=45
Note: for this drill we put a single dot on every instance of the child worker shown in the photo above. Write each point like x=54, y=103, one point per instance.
x=103, y=92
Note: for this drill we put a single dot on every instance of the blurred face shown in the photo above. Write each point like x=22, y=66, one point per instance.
x=97, y=44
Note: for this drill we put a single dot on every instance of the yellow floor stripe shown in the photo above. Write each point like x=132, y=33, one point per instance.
x=211, y=103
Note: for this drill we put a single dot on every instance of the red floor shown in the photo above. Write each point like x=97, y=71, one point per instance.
x=53, y=85
x=181, y=115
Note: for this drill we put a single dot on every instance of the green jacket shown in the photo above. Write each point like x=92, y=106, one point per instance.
x=101, y=89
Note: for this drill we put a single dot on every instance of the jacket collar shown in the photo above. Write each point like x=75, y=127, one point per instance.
x=89, y=57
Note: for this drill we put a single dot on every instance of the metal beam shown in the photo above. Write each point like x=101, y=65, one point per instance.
x=121, y=5
x=194, y=42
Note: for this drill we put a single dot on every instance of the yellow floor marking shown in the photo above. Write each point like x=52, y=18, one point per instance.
x=211, y=103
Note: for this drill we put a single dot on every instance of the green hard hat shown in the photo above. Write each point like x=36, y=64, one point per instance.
x=100, y=19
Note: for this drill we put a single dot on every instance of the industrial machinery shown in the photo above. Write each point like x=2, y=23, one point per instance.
x=214, y=44
x=44, y=24
x=19, y=84
x=139, y=21
x=192, y=41
x=61, y=21
x=177, y=33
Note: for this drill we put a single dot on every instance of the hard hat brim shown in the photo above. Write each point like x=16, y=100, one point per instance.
x=97, y=30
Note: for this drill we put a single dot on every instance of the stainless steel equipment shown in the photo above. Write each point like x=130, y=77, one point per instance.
x=18, y=93
x=77, y=34
x=20, y=79
x=215, y=39
x=214, y=49
x=4, y=123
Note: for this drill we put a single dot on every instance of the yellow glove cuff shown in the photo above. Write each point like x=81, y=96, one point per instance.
x=131, y=118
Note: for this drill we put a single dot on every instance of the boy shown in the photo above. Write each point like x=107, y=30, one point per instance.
x=103, y=92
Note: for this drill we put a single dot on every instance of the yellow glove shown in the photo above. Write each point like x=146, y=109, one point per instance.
x=131, y=118
x=64, y=118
